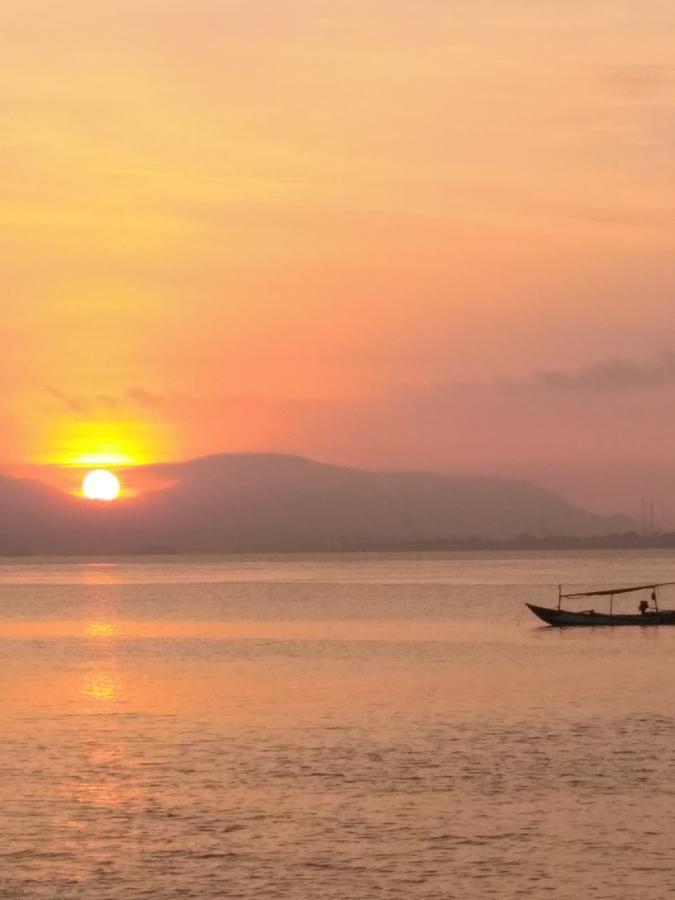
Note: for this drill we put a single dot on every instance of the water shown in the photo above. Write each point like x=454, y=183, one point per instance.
x=336, y=727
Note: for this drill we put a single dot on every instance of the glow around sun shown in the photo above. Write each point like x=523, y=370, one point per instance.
x=101, y=485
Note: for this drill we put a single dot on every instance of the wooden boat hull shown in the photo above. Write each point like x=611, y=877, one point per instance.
x=562, y=618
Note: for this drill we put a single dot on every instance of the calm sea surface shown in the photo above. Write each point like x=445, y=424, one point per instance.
x=332, y=727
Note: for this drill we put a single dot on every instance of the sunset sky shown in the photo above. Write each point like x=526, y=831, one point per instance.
x=392, y=233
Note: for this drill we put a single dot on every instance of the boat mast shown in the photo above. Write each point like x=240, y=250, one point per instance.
x=559, y=595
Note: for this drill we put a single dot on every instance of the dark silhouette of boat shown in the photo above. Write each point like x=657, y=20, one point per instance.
x=648, y=612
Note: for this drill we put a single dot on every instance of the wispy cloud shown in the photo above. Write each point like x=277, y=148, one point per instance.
x=87, y=406
x=659, y=218
x=610, y=375
x=143, y=397
x=614, y=374
x=636, y=80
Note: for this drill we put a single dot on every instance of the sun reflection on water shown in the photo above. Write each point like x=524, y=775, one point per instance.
x=101, y=629
x=96, y=573
x=101, y=686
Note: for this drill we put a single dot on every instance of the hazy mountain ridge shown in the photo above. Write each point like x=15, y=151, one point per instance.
x=249, y=502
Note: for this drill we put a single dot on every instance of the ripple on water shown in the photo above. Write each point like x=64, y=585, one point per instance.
x=438, y=764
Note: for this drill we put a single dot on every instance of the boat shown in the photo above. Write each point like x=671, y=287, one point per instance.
x=648, y=610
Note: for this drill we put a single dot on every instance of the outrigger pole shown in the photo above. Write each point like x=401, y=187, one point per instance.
x=612, y=592
x=630, y=590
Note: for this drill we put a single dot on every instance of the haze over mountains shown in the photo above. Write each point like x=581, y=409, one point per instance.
x=269, y=502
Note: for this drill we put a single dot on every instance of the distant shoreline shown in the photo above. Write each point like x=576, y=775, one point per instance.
x=524, y=542
x=623, y=541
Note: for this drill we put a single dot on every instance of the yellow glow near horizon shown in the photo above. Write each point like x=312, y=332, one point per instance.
x=102, y=459
x=101, y=485
x=101, y=443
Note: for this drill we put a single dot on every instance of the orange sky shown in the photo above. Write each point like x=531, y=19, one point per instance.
x=355, y=230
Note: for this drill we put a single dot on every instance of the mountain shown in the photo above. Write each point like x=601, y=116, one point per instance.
x=273, y=502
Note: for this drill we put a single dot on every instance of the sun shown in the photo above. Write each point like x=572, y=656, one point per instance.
x=101, y=485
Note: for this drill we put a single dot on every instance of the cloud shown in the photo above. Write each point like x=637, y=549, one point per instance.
x=615, y=374
x=90, y=406
x=637, y=80
x=544, y=388
x=143, y=397
x=71, y=402
x=661, y=218
x=610, y=375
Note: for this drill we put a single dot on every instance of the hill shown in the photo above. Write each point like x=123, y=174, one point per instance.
x=272, y=502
